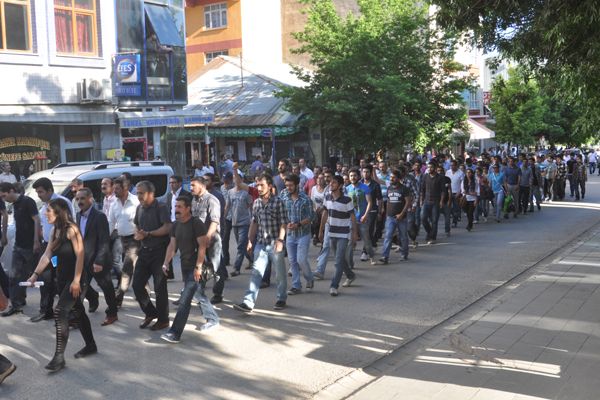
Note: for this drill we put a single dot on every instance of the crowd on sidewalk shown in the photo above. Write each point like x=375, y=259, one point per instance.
x=132, y=235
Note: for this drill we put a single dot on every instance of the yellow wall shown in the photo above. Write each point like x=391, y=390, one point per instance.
x=200, y=40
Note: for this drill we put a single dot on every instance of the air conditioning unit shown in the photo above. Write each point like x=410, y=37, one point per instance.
x=94, y=90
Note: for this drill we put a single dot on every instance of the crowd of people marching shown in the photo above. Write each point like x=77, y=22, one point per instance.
x=130, y=234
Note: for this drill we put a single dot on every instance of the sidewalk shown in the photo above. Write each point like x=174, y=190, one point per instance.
x=540, y=339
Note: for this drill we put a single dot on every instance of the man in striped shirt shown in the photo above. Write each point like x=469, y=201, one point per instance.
x=343, y=229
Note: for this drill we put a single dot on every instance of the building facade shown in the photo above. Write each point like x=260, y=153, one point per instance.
x=63, y=91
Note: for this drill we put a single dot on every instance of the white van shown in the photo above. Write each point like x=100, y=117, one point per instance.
x=92, y=173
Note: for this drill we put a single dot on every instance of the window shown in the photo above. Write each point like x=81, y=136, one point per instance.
x=214, y=54
x=75, y=22
x=15, y=23
x=215, y=16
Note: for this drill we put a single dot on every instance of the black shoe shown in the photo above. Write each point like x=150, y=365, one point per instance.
x=41, y=317
x=280, y=305
x=146, y=322
x=94, y=304
x=264, y=285
x=88, y=350
x=242, y=307
x=216, y=299
x=235, y=273
x=11, y=311
x=57, y=363
x=7, y=372
x=177, y=302
x=383, y=260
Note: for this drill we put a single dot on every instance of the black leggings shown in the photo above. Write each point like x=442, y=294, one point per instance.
x=66, y=303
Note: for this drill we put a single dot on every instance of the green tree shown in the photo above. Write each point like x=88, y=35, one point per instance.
x=557, y=39
x=381, y=78
x=519, y=108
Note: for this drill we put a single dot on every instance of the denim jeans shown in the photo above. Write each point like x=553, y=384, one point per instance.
x=499, y=203
x=447, y=211
x=241, y=238
x=430, y=218
x=456, y=211
x=392, y=225
x=297, y=249
x=536, y=193
x=324, y=253
x=341, y=248
x=22, y=267
x=183, y=312
x=214, y=255
x=262, y=255
x=363, y=229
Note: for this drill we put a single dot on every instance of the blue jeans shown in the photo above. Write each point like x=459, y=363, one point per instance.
x=430, y=218
x=183, y=312
x=297, y=249
x=241, y=237
x=262, y=255
x=498, y=203
x=341, y=249
x=324, y=253
x=365, y=236
x=391, y=226
x=456, y=211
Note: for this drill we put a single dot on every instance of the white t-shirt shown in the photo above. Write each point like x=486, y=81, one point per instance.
x=456, y=178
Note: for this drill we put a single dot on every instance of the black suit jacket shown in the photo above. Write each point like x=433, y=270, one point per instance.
x=169, y=199
x=96, y=240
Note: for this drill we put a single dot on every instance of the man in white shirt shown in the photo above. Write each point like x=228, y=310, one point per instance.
x=304, y=170
x=122, y=228
x=76, y=185
x=592, y=159
x=202, y=168
x=456, y=179
x=6, y=175
x=45, y=191
x=109, y=195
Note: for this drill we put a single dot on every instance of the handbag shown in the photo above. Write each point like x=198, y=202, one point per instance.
x=462, y=202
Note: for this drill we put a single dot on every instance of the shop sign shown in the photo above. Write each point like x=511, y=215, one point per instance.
x=148, y=122
x=38, y=143
x=127, y=75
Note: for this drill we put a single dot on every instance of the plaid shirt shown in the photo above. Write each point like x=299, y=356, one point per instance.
x=298, y=210
x=561, y=170
x=269, y=217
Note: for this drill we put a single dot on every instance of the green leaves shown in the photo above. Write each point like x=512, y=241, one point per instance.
x=381, y=78
x=555, y=39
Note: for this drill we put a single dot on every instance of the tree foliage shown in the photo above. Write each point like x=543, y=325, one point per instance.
x=526, y=109
x=557, y=39
x=381, y=78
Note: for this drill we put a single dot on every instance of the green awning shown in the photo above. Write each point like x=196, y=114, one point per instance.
x=234, y=132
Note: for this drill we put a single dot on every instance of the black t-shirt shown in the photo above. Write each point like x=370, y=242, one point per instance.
x=375, y=194
x=570, y=164
x=186, y=235
x=152, y=218
x=396, y=195
x=447, y=185
x=24, y=210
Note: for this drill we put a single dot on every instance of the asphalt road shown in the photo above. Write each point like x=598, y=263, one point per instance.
x=297, y=352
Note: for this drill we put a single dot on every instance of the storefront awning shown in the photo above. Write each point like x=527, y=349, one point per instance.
x=478, y=131
x=164, y=25
x=131, y=120
x=242, y=132
x=58, y=114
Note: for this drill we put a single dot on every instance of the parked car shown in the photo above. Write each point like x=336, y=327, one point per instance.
x=92, y=173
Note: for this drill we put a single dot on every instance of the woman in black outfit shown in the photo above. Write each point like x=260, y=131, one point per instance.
x=67, y=245
x=469, y=190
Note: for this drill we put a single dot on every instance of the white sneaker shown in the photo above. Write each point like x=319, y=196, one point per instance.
x=364, y=257
x=348, y=282
x=333, y=292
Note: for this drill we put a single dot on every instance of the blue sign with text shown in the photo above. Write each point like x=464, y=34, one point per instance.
x=127, y=75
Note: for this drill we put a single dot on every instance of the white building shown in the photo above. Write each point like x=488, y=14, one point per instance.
x=55, y=63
